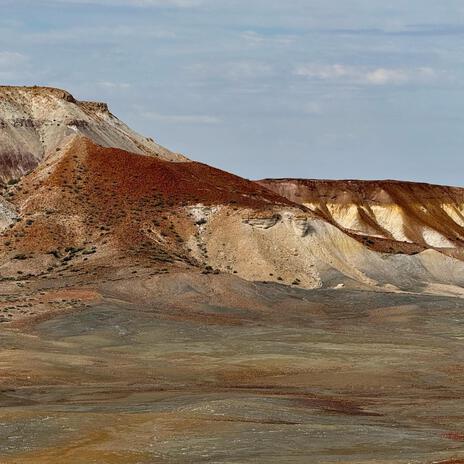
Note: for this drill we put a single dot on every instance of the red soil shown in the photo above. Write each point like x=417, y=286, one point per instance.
x=133, y=176
x=455, y=436
x=89, y=195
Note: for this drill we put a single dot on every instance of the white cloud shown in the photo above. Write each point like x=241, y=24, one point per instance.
x=97, y=35
x=334, y=71
x=141, y=3
x=382, y=76
x=233, y=70
x=254, y=38
x=11, y=59
x=114, y=85
x=184, y=118
x=370, y=76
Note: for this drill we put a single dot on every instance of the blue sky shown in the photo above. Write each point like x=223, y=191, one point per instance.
x=263, y=88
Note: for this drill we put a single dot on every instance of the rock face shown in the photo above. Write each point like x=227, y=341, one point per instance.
x=7, y=214
x=390, y=212
x=94, y=198
x=37, y=121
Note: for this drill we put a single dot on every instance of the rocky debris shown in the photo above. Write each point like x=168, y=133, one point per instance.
x=94, y=107
x=262, y=221
x=8, y=214
x=201, y=214
x=303, y=226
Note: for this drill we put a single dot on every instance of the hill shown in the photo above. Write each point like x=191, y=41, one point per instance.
x=385, y=215
x=35, y=121
x=105, y=206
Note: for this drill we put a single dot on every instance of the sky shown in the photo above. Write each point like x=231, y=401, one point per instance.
x=360, y=89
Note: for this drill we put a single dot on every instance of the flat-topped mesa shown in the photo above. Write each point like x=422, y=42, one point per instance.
x=431, y=216
x=38, y=121
x=37, y=91
x=349, y=190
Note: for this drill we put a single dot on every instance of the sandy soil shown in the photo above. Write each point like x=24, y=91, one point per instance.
x=194, y=368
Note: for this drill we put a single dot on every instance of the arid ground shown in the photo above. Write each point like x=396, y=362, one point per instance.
x=130, y=373
x=155, y=309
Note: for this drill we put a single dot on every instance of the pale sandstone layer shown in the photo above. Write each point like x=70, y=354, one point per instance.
x=407, y=213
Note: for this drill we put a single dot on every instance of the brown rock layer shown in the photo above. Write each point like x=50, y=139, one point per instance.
x=410, y=215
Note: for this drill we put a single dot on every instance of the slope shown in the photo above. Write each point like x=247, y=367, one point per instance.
x=90, y=211
x=36, y=121
x=391, y=215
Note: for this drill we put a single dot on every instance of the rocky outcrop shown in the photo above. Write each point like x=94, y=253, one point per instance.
x=290, y=248
x=390, y=215
x=37, y=121
x=262, y=221
x=94, y=107
x=303, y=226
x=8, y=214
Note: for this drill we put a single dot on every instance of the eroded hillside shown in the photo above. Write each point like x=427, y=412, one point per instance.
x=95, y=208
x=407, y=215
x=36, y=121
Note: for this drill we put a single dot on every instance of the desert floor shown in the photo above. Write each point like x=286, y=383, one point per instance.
x=279, y=375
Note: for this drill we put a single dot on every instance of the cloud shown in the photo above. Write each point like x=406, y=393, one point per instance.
x=135, y=3
x=383, y=76
x=408, y=30
x=334, y=71
x=183, y=119
x=11, y=59
x=102, y=34
x=254, y=38
x=369, y=76
x=232, y=70
x=114, y=85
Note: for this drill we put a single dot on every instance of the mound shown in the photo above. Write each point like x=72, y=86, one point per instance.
x=109, y=202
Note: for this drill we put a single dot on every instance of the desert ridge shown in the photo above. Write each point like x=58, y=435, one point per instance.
x=97, y=201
